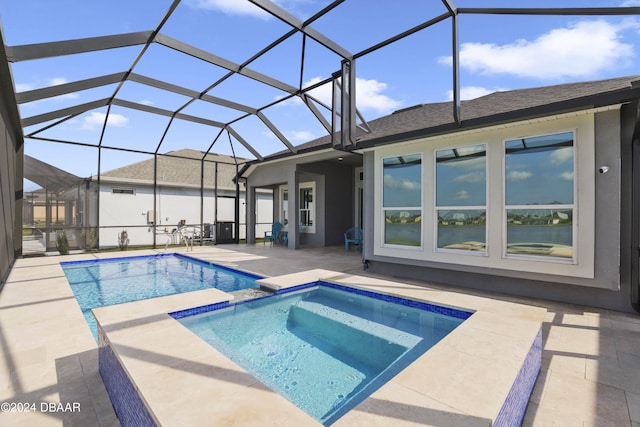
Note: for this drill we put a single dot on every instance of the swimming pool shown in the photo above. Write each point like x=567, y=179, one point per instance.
x=98, y=283
x=325, y=347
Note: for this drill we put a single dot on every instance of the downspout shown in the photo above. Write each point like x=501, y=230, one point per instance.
x=155, y=197
x=215, y=201
x=98, y=196
x=236, y=219
x=237, y=207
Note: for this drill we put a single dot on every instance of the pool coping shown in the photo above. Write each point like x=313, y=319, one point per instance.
x=464, y=380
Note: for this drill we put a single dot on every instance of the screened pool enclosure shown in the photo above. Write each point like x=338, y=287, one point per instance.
x=134, y=121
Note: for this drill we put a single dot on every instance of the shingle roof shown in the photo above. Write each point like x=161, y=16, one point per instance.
x=495, y=108
x=181, y=167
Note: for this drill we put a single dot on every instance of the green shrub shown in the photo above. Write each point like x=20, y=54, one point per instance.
x=62, y=243
x=91, y=239
x=123, y=240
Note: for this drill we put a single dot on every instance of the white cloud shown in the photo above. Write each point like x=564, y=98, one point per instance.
x=519, y=175
x=146, y=102
x=299, y=135
x=562, y=155
x=470, y=92
x=368, y=95
x=230, y=7
x=582, y=49
x=471, y=178
x=469, y=164
x=567, y=176
x=96, y=120
x=243, y=7
x=400, y=184
x=58, y=81
x=295, y=136
x=462, y=195
x=24, y=87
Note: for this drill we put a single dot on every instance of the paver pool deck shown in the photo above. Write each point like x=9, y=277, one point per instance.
x=589, y=376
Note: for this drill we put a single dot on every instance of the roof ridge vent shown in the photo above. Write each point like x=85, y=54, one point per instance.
x=413, y=107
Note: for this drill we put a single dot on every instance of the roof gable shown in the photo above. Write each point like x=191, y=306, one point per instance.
x=180, y=168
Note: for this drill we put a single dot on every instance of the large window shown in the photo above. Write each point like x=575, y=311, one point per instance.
x=516, y=198
x=539, y=196
x=461, y=198
x=402, y=200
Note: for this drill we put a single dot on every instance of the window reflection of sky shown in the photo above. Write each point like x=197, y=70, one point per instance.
x=461, y=176
x=402, y=181
x=540, y=170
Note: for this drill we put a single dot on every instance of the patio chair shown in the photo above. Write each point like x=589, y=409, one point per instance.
x=274, y=234
x=353, y=235
x=285, y=236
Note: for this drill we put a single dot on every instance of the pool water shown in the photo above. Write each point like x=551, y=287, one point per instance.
x=99, y=283
x=324, y=348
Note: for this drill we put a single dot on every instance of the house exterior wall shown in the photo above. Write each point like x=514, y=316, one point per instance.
x=135, y=212
x=597, y=277
x=272, y=176
x=333, y=186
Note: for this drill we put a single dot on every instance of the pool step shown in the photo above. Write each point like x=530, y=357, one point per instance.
x=321, y=313
x=351, y=339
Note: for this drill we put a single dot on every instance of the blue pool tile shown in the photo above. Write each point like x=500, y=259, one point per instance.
x=515, y=405
x=199, y=310
x=129, y=408
x=447, y=311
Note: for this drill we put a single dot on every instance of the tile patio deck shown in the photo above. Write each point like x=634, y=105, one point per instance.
x=589, y=376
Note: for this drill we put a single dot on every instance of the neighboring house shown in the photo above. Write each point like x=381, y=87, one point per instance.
x=534, y=192
x=127, y=200
x=60, y=204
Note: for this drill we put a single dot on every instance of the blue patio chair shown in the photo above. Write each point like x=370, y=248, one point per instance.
x=274, y=234
x=285, y=236
x=353, y=235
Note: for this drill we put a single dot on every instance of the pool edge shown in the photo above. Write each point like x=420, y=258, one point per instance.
x=513, y=392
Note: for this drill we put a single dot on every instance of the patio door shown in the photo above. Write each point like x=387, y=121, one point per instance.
x=225, y=220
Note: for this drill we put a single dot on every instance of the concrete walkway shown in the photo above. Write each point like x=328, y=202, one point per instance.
x=590, y=374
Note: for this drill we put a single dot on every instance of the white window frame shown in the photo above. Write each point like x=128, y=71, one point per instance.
x=583, y=265
x=573, y=206
x=283, y=211
x=484, y=207
x=312, y=212
x=284, y=207
x=383, y=208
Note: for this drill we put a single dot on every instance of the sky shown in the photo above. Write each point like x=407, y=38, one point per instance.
x=497, y=53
